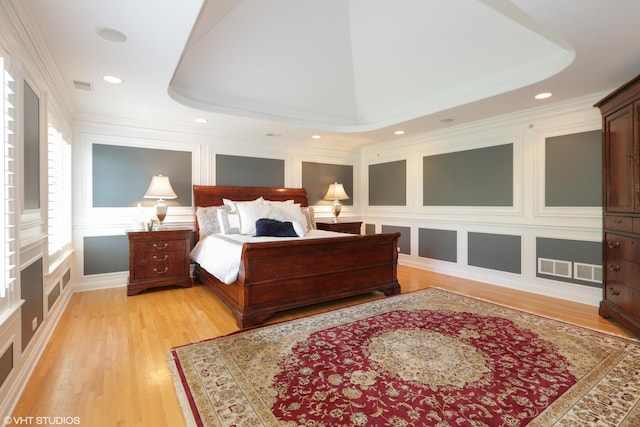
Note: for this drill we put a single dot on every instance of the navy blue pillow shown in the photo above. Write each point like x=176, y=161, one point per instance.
x=272, y=227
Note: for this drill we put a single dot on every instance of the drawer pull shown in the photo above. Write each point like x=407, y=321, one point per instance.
x=614, y=291
x=165, y=245
x=166, y=257
x=614, y=244
x=613, y=267
x=166, y=269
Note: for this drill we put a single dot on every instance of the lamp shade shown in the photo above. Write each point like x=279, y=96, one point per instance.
x=336, y=192
x=160, y=188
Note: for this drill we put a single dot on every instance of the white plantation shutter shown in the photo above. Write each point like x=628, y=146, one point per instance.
x=7, y=190
x=59, y=194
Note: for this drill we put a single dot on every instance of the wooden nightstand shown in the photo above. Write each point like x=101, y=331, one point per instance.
x=158, y=258
x=351, y=227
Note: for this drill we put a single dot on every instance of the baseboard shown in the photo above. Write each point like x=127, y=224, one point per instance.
x=107, y=281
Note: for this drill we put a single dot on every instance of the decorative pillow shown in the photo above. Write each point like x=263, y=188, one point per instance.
x=249, y=213
x=273, y=227
x=310, y=216
x=208, y=221
x=229, y=222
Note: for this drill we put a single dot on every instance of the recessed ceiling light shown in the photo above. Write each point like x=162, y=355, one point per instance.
x=201, y=120
x=316, y=136
x=399, y=132
x=112, y=79
x=111, y=35
x=543, y=95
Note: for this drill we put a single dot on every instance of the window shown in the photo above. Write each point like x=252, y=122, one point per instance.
x=59, y=229
x=7, y=189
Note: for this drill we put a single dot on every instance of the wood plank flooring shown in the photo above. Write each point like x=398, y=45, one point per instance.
x=106, y=362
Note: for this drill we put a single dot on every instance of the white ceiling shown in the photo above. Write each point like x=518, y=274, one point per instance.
x=352, y=71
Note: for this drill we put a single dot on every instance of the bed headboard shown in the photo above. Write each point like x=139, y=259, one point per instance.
x=212, y=195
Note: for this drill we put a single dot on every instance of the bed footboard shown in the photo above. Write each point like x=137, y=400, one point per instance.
x=277, y=276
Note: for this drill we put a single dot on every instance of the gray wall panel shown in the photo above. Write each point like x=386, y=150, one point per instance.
x=31, y=169
x=249, y=171
x=66, y=278
x=404, y=242
x=388, y=184
x=573, y=169
x=438, y=244
x=31, y=291
x=480, y=177
x=53, y=296
x=495, y=251
x=369, y=229
x=316, y=178
x=106, y=254
x=121, y=175
x=6, y=364
x=569, y=250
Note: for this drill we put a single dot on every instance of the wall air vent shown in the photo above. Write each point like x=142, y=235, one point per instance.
x=82, y=85
x=587, y=272
x=554, y=267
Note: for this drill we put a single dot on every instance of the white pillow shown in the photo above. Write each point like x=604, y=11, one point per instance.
x=277, y=202
x=249, y=213
x=281, y=215
x=232, y=204
x=228, y=221
x=293, y=212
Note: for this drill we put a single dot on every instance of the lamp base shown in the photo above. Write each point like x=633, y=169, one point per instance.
x=336, y=207
x=161, y=213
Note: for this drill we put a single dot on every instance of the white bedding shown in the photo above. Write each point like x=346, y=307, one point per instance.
x=220, y=254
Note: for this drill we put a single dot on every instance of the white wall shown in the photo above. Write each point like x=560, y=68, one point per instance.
x=528, y=217
x=90, y=221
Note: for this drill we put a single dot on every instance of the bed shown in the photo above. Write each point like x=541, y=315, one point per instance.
x=281, y=275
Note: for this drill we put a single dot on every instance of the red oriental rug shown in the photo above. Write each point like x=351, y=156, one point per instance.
x=426, y=358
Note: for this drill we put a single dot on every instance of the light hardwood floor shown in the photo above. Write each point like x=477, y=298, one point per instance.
x=106, y=362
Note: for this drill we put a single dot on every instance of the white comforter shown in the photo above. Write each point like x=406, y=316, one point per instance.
x=220, y=254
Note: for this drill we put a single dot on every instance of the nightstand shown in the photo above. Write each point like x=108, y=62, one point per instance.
x=351, y=227
x=158, y=258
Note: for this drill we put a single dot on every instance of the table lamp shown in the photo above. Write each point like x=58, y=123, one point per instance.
x=160, y=188
x=336, y=193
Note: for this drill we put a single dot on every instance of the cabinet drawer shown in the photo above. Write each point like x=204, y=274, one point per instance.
x=159, y=246
x=622, y=272
x=159, y=258
x=619, y=223
x=619, y=247
x=161, y=271
x=624, y=297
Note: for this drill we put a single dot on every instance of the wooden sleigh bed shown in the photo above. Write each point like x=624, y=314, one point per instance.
x=277, y=276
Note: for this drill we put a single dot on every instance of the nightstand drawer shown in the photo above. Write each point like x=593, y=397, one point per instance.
x=159, y=246
x=351, y=227
x=158, y=258
x=160, y=271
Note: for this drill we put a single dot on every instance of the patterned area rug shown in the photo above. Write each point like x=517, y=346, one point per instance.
x=426, y=358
